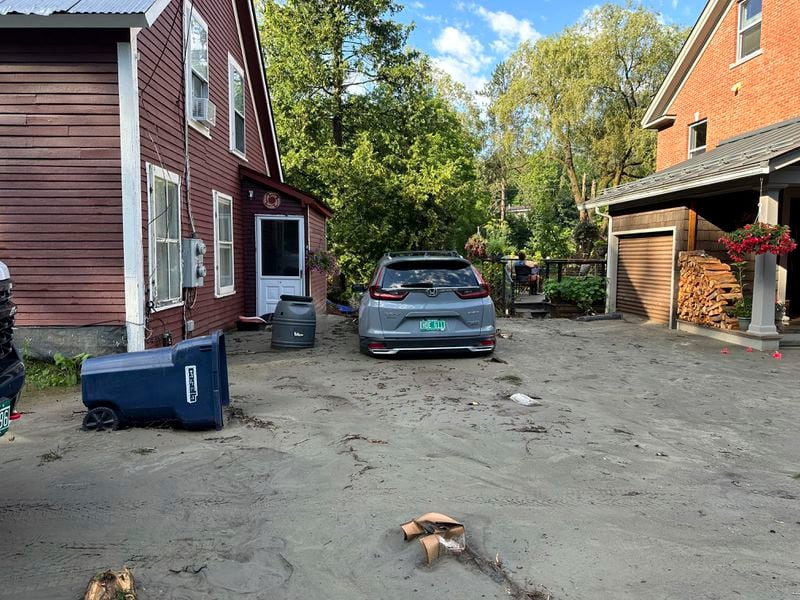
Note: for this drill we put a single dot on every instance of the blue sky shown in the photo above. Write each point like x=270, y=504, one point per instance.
x=468, y=38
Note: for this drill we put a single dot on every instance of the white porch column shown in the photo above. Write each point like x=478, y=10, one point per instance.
x=763, y=321
x=131, y=191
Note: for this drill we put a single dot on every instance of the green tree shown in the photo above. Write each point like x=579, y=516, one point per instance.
x=368, y=125
x=582, y=94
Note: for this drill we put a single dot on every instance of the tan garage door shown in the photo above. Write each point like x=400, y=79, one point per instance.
x=644, y=275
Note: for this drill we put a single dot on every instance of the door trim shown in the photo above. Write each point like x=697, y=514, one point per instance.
x=613, y=258
x=301, y=229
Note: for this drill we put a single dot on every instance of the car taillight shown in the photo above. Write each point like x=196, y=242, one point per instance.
x=483, y=292
x=489, y=342
x=376, y=346
x=376, y=293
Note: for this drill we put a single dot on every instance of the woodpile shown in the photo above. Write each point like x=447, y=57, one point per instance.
x=707, y=288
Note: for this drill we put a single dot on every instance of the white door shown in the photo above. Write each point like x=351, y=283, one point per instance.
x=280, y=260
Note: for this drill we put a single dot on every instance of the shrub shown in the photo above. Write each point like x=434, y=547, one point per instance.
x=583, y=292
x=63, y=371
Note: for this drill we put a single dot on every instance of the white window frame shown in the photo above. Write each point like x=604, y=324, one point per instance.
x=190, y=13
x=698, y=149
x=219, y=291
x=742, y=28
x=154, y=172
x=233, y=66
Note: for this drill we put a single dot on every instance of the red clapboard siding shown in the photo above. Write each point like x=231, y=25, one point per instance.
x=318, y=282
x=60, y=214
x=212, y=166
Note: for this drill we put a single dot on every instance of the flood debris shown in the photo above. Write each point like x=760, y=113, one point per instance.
x=531, y=428
x=236, y=412
x=526, y=400
x=439, y=533
x=112, y=585
x=357, y=436
x=51, y=456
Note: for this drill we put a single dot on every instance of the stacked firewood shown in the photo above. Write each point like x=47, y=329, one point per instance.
x=707, y=288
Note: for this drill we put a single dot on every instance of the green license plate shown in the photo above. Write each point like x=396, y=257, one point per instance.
x=5, y=415
x=432, y=325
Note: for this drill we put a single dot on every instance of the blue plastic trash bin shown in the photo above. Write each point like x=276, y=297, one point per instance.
x=186, y=383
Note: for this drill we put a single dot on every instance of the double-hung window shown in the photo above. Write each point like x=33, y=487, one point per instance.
x=223, y=244
x=198, y=108
x=164, y=225
x=236, y=101
x=697, y=138
x=749, y=28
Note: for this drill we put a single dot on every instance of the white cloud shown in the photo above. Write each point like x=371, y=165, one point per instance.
x=459, y=45
x=510, y=30
x=462, y=57
x=417, y=5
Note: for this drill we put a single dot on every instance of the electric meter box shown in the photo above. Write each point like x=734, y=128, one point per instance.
x=194, y=250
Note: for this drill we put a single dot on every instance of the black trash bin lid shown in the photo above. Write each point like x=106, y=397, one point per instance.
x=290, y=298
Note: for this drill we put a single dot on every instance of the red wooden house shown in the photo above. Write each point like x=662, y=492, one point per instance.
x=728, y=122
x=141, y=191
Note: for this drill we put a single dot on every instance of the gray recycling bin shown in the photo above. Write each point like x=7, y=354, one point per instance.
x=294, y=323
x=186, y=383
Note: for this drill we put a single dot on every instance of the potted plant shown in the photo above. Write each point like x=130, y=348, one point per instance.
x=743, y=311
x=322, y=261
x=758, y=238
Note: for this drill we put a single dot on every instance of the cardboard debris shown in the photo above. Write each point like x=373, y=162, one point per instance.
x=439, y=533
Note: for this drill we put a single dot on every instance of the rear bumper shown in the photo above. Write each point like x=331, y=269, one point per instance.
x=387, y=346
x=12, y=377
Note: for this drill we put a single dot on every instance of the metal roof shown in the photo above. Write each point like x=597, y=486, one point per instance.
x=757, y=152
x=46, y=8
x=80, y=13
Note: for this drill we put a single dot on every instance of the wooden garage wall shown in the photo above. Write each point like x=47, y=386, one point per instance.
x=60, y=195
x=675, y=215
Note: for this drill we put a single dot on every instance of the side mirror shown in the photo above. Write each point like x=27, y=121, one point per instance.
x=359, y=288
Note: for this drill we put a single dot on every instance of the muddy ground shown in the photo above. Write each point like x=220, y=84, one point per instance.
x=656, y=467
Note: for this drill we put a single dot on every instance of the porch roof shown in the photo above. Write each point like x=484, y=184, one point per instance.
x=303, y=197
x=80, y=13
x=752, y=154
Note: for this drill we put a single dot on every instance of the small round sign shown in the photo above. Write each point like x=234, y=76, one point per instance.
x=272, y=200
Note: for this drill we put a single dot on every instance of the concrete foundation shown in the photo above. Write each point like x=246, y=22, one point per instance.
x=764, y=343
x=44, y=342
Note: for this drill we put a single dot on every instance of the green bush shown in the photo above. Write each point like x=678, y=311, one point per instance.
x=583, y=292
x=63, y=371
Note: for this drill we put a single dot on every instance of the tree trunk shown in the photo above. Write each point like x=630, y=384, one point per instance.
x=574, y=184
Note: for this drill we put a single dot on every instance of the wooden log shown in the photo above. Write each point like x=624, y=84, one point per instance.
x=112, y=586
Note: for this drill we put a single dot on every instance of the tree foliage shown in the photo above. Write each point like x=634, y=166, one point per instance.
x=366, y=124
x=579, y=96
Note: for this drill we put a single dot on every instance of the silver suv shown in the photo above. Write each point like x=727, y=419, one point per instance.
x=425, y=301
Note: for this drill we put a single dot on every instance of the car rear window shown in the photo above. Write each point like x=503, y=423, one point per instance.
x=429, y=273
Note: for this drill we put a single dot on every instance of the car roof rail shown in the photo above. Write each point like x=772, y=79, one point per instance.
x=450, y=253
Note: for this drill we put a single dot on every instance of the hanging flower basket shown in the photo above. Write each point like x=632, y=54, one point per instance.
x=322, y=261
x=758, y=238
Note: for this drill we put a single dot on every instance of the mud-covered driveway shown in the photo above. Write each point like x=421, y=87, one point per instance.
x=656, y=467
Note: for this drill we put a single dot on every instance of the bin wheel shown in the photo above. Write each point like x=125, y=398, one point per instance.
x=101, y=419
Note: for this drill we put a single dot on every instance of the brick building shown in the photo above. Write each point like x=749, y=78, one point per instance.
x=728, y=122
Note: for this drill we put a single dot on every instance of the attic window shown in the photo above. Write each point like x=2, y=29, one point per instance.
x=200, y=111
x=697, y=138
x=749, y=28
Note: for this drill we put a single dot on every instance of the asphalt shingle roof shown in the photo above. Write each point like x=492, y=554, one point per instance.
x=748, y=154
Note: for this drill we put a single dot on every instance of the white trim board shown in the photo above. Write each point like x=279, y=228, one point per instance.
x=130, y=167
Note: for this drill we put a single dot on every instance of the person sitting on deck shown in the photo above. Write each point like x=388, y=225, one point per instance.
x=526, y=271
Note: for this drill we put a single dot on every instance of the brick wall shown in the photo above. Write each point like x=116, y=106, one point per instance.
x=770, y=83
